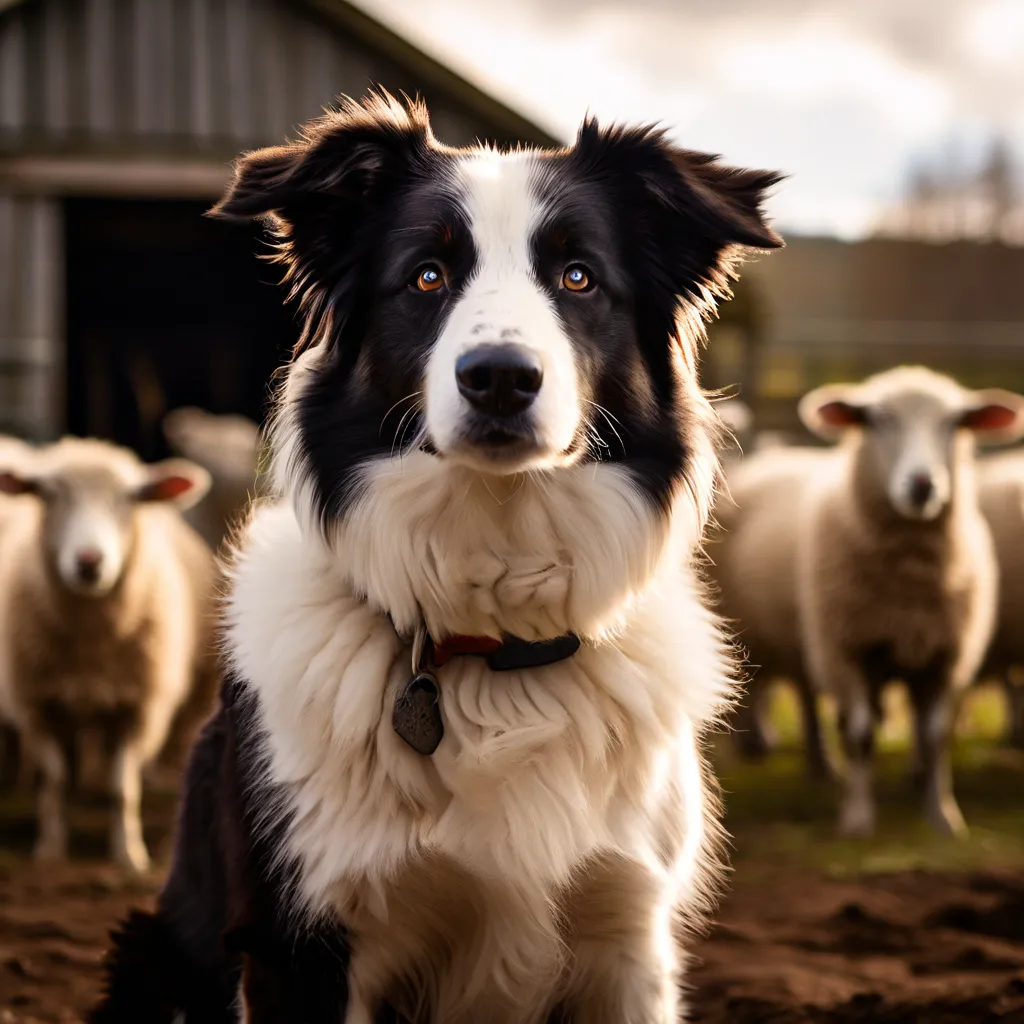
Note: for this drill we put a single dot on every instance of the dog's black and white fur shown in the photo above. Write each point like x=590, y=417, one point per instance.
x=492, y=426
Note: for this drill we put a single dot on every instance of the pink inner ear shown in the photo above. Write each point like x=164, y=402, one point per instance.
x=168, y=488
x=11, y=484
x=839, y=414
x=989, y=417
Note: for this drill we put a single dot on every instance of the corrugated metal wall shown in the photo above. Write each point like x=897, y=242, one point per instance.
x=193, y=78
x=31, y=311
x=180, y=76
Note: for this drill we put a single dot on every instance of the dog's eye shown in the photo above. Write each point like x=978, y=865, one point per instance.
x=430, y=278
x=576, y=279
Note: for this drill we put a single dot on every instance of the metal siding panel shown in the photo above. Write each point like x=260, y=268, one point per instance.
x=140, y=30
x=162, y=67
x=316, y=59
x=351, y=73
x=9, y=284
x=31, y=321
x=99, y=55
x=200, y=83
x=56, y=59
x=241, y=68
x=12, y=71
x=273, y=38
x=217, y=24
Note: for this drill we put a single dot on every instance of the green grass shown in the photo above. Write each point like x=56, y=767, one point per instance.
x=781, y=819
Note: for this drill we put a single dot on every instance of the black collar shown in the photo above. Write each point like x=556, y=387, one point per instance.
x=506, y=654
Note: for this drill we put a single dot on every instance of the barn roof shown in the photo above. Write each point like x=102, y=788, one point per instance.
x=156, y=97
x=490, y=108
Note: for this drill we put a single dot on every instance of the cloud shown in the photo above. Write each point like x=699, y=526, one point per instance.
x=843, y=95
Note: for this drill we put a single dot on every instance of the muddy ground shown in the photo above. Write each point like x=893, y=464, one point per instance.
x=901, y=930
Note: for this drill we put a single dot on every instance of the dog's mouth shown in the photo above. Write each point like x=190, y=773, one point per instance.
x=503, y=444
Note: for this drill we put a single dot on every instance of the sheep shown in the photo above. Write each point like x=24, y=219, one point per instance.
x=896, y=572
x=753, y=554
x=1001, y=492
x=228, y=448
x=104, y=620
x=13, y=452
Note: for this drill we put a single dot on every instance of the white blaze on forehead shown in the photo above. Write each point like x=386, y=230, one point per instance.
x=499, y=197
x=503, y=302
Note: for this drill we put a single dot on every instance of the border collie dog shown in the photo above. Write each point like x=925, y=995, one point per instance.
x=456, y=774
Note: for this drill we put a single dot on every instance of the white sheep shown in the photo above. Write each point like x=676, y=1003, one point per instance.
x=228, y=448
x=104, y=620
x=1001, y=492
x=896, y=573
x=753, y=552
x=15, y=453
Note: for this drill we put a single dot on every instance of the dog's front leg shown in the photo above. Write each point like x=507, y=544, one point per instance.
x=625, y=962
x=303, y=982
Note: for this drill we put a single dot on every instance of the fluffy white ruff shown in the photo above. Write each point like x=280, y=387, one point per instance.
x=540, y=772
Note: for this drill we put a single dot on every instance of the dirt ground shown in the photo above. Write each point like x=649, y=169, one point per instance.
x=901, y=949
x=901, y=930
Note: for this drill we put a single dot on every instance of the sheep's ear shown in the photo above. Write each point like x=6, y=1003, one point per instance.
x=995, y=415
x=15, y=483
x=829, y=411
x=177, y=481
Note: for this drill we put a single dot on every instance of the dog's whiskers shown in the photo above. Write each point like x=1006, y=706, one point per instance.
x=403, y=426
x=415, y=394
x=609, y=418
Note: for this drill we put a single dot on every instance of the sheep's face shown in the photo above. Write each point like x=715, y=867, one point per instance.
x=915, y=428
x=88, y=522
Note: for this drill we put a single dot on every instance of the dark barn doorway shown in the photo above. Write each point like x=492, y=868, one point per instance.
x=166, y=308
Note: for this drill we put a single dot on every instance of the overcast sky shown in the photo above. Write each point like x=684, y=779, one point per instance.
x=841, y=94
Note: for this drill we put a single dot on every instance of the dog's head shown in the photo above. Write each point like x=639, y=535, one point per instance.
x=506, y=311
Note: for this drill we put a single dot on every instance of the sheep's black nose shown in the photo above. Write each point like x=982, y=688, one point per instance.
x=922, y=487
x=500, y=380
x=88, y=562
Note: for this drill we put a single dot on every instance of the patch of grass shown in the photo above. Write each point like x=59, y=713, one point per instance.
x=780, y=818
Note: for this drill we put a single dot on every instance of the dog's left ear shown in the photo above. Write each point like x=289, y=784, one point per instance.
x=698, y=215
x=726, y=200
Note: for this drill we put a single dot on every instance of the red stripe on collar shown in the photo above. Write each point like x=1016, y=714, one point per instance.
x=445, y=650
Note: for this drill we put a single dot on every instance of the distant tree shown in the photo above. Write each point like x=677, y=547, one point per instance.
x=942, y=201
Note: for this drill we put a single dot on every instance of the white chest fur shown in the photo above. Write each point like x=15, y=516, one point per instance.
x=539, y=772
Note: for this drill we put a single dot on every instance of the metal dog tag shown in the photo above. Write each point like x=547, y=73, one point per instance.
x=416, y=717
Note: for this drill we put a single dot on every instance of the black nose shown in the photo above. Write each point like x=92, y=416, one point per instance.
x=499, y=379
x=89, y=561
x=921, y=488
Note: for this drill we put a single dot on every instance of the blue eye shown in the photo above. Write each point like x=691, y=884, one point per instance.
x=576, y=279
x=429, y=279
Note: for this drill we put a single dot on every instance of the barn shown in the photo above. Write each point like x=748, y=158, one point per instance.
x=118, y=121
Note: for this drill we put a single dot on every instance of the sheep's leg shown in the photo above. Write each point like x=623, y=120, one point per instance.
x=1015, y=708
x=752, y=733
x=934, y=715
x=52, y=843
x=10, y=757
x=857, y=723
x=127, y=846
x=819, y=761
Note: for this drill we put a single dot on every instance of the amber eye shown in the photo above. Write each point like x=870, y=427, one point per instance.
x=576, y=279
x=430, y=279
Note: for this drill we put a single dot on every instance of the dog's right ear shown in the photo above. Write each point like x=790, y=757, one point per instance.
x=260, y=185
x=319, y=194
x=344, y=155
